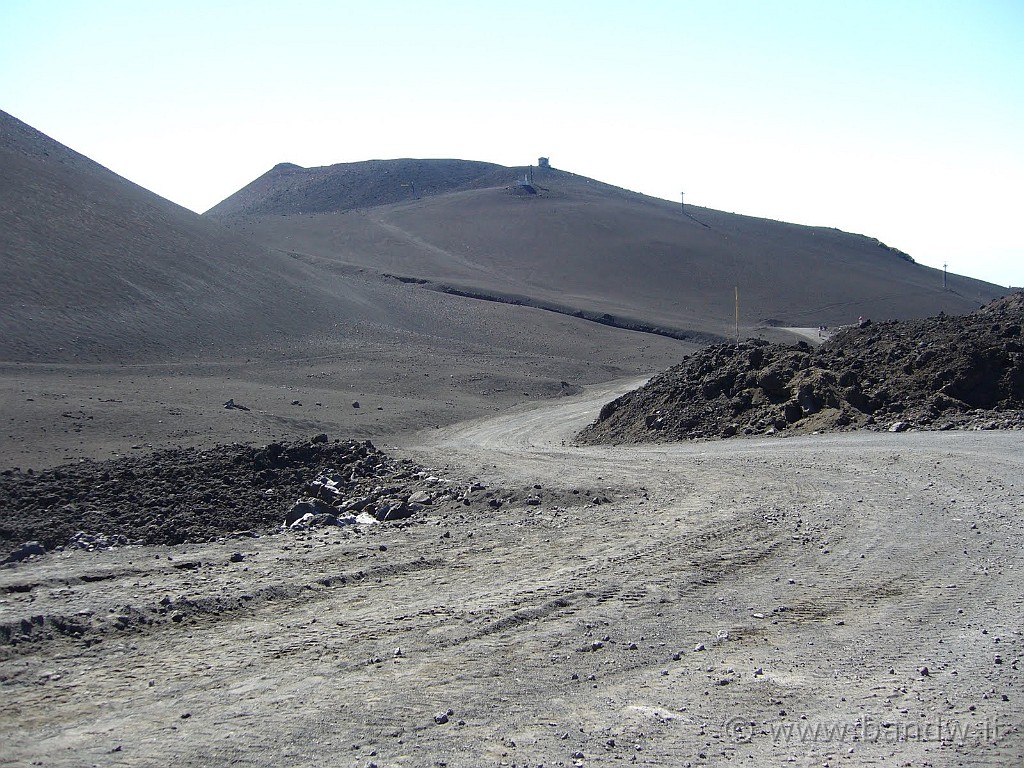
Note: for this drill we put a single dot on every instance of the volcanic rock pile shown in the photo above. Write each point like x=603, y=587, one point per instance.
x=186, y=495
x=182, y=494
x=938, y=373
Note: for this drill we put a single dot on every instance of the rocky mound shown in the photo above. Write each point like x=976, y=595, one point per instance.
x=184, y=495
x=943, y=372
x=178, y=495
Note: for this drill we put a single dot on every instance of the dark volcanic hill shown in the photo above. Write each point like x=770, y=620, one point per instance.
x=578, y=246
x=127, y=321
x=291, y=189
x=96, y=268
x=938, y=373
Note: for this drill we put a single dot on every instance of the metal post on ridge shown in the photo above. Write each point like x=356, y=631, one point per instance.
x=737, y=314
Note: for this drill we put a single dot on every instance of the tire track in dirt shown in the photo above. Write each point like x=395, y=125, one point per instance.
x=875, y=552
x=805, y=568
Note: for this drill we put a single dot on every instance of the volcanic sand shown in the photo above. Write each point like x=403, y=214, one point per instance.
x=729, y=594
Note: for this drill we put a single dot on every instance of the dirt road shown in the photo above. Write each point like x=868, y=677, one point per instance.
x=844, y=600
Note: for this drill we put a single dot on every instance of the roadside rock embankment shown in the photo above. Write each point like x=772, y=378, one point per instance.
x=941, y=373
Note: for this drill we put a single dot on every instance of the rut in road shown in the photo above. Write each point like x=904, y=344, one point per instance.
x=818, y=575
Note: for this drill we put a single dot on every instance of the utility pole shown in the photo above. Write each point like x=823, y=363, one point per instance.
x=682, y=202
x=944, y=286
x=737, y=314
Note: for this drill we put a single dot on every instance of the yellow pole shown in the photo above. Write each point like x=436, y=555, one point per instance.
x=737, y=314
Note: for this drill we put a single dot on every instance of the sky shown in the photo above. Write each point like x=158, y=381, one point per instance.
x=899, y=119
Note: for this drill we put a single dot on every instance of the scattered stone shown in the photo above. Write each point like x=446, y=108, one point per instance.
x=232, y=405
x=92, y=542
x=392, y=509
x=699, y=647
x=355, y=403
x=236, y=557
x=26, y=550
x=924, y=671
x=305, y=510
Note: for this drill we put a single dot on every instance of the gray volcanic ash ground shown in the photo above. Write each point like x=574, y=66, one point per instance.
x=394, y=553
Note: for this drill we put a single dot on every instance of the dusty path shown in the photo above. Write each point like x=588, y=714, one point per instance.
x=818, y=575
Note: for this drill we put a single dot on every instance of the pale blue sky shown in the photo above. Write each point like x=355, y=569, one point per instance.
x=900, y=120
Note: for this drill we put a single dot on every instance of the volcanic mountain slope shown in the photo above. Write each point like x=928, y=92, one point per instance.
x=127, y=321
x=940, y=373
x=582, y=247
x=290, y=189
x=97, y=269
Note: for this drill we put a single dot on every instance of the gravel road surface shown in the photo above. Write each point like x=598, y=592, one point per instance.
x=854, y=599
